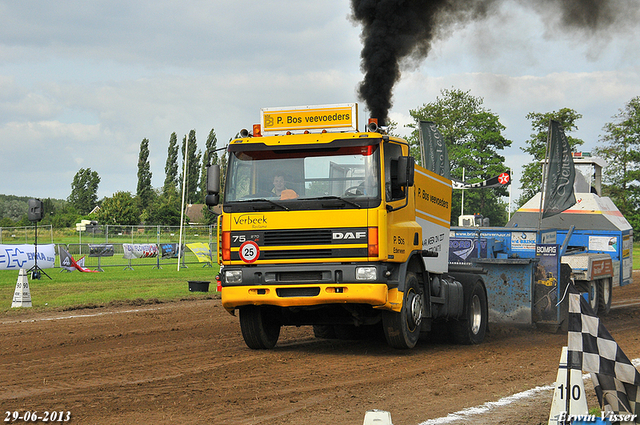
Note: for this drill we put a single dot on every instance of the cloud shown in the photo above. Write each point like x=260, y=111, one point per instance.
x=82, y=83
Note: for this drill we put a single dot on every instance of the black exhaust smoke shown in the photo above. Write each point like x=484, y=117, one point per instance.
x=399, y=33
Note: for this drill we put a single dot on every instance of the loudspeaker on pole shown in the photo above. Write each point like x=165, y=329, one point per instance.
x=35, y=212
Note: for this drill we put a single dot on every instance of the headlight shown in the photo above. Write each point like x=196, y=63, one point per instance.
x=366, y=273
x=233, y=276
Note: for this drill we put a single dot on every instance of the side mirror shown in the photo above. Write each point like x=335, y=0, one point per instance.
x=213, y=185
x=212, y=200
x=406, y=171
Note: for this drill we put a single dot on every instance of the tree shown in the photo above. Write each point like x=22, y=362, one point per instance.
x=536, y=146
x=473, y=135
x=165, y=211
x=620, y=147
x=223, y=174
x=84, y=190
x=171, y=166
x=144, y=191
x=119, y=209
x=13, y=207
x=209, y=157
x=193, y=167
x=67, y=216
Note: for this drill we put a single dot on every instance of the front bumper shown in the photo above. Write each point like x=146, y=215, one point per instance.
x=309, y=285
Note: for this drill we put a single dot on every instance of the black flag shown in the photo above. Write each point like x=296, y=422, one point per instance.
x=434, y=149
x=561, y=173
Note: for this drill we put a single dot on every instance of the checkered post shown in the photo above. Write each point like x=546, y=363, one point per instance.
x=591, y=348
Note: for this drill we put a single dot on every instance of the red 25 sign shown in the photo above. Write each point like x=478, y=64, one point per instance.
x=249, y=252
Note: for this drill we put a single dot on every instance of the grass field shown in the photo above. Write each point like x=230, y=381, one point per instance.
x=118, y=285
x=69, y=290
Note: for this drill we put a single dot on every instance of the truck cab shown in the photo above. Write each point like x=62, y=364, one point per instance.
x=337, y=229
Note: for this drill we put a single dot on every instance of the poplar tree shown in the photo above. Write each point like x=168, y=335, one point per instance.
x=209, y=157
x=193, y=167
x=144, y=191
x=171, y=167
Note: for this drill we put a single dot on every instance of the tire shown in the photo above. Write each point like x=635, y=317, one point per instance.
x=591, y=288
x=260, y=326
x=402, y=329
x=324, y=331
x=472, y=327
x=604, y=296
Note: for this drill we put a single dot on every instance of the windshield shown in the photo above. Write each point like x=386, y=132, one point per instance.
x=289, y=177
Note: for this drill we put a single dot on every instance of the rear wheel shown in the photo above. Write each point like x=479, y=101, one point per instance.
x=604, y=296
x=402, y=329
x=472, y=327
x=260, y=326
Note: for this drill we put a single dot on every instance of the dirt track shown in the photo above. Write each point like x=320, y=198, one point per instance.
x=186, y=362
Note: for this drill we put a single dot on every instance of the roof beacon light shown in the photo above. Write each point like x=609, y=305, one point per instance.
x=257, y=130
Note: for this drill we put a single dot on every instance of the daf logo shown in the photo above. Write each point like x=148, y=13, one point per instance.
x=349, y=235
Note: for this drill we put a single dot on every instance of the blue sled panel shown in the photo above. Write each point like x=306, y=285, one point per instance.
x=509, y=284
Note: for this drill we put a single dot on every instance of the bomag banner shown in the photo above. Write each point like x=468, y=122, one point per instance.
x=16, y=257
x=300, y=118
x=201, y=250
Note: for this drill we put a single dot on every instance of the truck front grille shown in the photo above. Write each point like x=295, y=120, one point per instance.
x=297, y=237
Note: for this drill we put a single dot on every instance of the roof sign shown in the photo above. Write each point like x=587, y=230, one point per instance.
x=340, y=117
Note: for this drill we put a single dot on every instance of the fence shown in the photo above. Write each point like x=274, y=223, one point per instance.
x=20, y=235
x=78, y=243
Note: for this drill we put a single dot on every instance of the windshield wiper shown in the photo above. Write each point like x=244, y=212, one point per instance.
x=322, y=198
x=264, y=200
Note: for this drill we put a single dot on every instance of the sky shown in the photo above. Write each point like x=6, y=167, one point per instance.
x=82, y=83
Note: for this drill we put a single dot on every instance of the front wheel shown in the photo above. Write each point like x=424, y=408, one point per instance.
x=471, y=328
x=402, y=329
x=260, y=326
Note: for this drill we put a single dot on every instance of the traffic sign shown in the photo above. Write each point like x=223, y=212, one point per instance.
x=249, y=251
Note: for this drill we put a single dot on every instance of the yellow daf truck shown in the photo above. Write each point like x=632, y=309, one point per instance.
x=336, y=228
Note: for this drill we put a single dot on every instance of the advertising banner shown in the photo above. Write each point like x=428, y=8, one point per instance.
x=68, y=263
x=101, y=250
x=462, y=250
x=169, y=250
x=500, y=180
x=139, y=250
x=561, y=173
x=201, y=250
x=546, y=277
x=434, y=149
x=16, y=257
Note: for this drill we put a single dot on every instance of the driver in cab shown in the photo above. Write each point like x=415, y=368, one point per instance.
x=280, y=190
